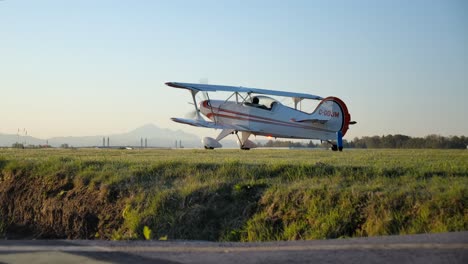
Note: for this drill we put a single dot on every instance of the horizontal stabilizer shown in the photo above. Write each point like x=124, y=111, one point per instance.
x=312, y=120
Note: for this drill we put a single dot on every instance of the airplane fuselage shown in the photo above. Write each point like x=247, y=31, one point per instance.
x=277, y=121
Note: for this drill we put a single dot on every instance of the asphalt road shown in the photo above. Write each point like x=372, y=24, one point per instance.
x=425, y=248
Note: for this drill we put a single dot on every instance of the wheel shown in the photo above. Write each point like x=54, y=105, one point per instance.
x=245, y=148
x=334, y=148
x=206, y=147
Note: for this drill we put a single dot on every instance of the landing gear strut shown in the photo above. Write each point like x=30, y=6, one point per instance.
x=243, y=140
x=242, y=147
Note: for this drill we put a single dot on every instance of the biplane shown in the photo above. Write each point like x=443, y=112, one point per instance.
x=251, y=111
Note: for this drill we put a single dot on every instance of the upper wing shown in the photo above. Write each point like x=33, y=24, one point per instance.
x=214, y=88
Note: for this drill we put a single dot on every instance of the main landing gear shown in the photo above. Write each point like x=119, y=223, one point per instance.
x=339, y=142
x=244, y=142
x=334, y=147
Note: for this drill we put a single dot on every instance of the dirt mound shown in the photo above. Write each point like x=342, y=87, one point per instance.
x=57, y=207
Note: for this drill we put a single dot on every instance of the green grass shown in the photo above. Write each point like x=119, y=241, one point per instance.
x=263, y=195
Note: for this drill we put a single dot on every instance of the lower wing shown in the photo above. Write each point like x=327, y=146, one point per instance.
x=207, y=124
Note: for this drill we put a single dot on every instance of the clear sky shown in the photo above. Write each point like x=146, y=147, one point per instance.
x=98, y=67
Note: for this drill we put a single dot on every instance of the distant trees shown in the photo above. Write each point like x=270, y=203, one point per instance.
x=282, y=144
x=385, y=141
x=17, y=145
x=402, y=141
x=30, y=146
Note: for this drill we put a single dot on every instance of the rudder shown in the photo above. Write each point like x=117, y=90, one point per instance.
x=335, y=111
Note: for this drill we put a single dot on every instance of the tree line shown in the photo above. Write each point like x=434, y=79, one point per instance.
x=388, y=141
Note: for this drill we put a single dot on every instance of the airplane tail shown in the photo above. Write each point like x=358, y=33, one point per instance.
x=335, y=110
x=332, y=113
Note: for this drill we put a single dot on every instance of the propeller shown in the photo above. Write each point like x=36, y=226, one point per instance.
x=192, y=114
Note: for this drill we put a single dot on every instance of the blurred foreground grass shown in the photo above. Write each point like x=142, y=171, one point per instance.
x=262, y=194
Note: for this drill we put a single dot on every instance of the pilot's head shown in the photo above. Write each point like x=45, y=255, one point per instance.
x=255, y=100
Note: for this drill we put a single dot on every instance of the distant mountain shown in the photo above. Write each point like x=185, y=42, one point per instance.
x=156, y=137
x=7, y=140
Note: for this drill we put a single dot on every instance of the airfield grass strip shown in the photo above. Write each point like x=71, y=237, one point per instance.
x=229, y=195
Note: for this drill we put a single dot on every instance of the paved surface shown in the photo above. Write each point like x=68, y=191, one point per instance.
x=425, y=248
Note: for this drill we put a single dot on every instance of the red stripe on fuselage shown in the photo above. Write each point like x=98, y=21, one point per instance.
x=264, y=120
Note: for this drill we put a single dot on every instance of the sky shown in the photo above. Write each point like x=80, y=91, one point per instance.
x=77, y=68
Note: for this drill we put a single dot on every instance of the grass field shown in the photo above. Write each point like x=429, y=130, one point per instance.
x=257, y=195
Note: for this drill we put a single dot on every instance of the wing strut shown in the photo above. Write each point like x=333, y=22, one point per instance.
x=194, y=92
x=211, y=108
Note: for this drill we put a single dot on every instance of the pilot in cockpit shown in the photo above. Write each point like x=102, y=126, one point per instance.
x=255, y=101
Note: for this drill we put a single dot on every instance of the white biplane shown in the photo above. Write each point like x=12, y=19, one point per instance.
x=250, y=112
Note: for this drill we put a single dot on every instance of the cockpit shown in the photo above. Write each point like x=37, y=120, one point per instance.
x=262, y=102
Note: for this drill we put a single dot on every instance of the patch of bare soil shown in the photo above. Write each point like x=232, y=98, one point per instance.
x=34, y=207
